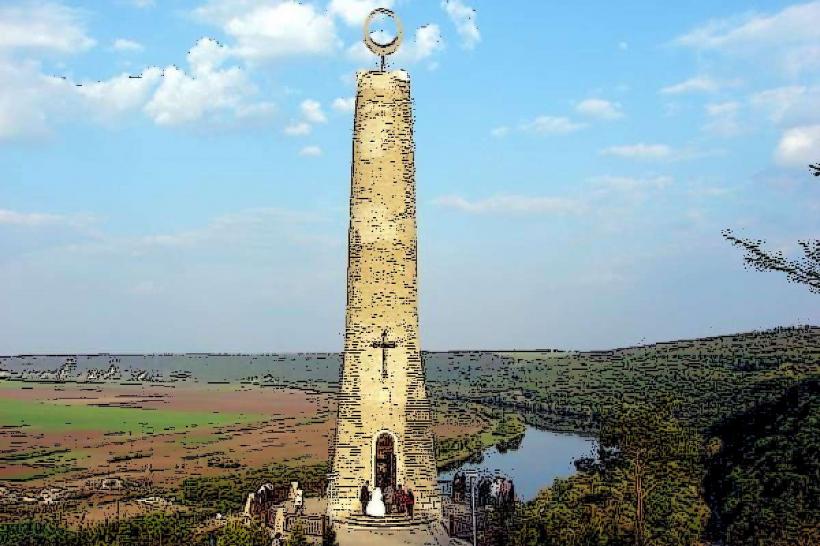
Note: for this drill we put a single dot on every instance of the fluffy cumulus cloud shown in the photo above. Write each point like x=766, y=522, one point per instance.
x=354, y=12
x=464, y=19
x=790, y=37
x=32, y=102
x=599, y=109
x=207, y=92
x=265, y=31
x=42, y=26
x=108, y=99
x=28, y=99
x=799, y=146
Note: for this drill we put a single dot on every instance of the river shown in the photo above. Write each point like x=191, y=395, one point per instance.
x=541, y=457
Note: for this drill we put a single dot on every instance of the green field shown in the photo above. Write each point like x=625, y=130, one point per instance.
x=47, y=416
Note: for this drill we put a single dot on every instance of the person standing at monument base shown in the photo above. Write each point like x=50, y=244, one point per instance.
x=409, y=502
x=364, y=496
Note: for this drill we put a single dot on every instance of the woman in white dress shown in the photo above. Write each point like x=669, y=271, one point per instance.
x=376, y=506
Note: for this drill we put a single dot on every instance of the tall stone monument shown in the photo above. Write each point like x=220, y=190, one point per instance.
x=384, y=428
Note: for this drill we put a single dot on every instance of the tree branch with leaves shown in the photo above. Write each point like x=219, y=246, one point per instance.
x=803, y=270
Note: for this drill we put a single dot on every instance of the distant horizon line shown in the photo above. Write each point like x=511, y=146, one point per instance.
x=508, y=350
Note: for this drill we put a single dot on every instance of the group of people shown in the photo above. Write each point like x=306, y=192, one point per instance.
x=498, y=491
x=391, y=500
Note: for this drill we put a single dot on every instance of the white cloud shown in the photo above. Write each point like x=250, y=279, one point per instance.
x=298, y=129
x=628, y=184
x=105, y=100
x=143, y=3
x=789, y=36
x=126, y=45
x=40, y=219
x=41, y=26
x=312, y=110
x=464, y=19
x=31, y=103
x=552, y=125
x=799, y=146
x=354, y=12
x=623, y=46
x=29, y=99
x=310, y=151
x=697, y=84
x=723, y=118
x=28, y=219
x=500, y=132
x=793, y=24
x=209, y=92
x=207, y=55
x=789, y=105
x=599, y=109
x=346, y=104
x=265, y=31
x=639, y=151
x=427, y=42
x=512, y=204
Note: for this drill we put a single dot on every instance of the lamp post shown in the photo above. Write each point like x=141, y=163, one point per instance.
x=472, y=475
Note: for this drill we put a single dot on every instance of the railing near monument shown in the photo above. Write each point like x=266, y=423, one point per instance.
x=461, y=525
x=312, y=525
x=445, y=487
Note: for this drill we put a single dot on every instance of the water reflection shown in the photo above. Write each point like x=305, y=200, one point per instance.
x=533, y=464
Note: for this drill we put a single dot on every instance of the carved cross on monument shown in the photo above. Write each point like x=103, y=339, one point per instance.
x=383, y=344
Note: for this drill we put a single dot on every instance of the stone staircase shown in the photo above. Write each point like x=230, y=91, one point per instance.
x=389, y=521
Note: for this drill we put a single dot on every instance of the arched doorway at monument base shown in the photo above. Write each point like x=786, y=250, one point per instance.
x=385, y=461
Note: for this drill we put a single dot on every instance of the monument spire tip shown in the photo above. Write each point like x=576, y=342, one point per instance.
x=383, y=50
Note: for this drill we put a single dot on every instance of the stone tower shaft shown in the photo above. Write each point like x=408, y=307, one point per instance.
x=384, y=427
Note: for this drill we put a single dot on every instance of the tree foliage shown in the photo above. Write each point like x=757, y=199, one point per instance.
x=237, y=533
x=803, y=270
x=643, y=489
x=297, y=536
x=763, y=478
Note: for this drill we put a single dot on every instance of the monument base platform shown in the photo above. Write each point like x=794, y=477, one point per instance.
x=369, y=531
x=389, y=521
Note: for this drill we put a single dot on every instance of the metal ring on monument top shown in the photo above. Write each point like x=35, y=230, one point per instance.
x=390, y=47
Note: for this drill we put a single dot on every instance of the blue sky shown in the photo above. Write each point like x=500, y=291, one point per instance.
x=575, y=167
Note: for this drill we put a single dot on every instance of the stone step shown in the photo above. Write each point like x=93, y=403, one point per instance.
x=389, y=521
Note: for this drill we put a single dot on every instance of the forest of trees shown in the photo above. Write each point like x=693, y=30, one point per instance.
x=752, y=480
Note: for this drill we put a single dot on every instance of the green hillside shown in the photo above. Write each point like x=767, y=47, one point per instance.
x=713, y=377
